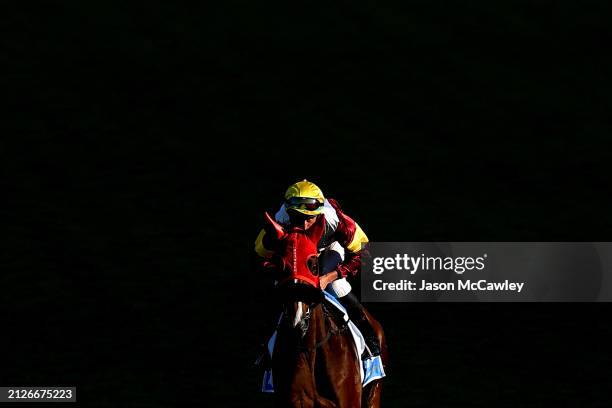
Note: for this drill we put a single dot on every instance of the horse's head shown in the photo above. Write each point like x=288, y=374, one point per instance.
x=298, y=251
x=298, y=301
x=299, y=285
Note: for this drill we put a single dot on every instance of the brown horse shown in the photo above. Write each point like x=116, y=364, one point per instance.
x=315, y=363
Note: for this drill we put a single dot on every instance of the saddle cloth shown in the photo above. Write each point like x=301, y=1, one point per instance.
x=371, y=368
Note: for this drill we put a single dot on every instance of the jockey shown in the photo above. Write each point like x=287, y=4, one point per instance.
x=339, y=249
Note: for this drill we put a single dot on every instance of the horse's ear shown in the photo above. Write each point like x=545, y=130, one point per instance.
x=278, y=229
x=317, y=229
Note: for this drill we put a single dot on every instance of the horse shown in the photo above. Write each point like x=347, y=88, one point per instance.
x=315, y=363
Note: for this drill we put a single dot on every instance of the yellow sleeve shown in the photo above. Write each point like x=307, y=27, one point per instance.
x=359, y=238
x=259, y=248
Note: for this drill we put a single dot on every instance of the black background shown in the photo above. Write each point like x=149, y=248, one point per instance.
x=142, y=142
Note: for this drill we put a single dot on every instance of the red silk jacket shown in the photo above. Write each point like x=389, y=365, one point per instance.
x=347, y=232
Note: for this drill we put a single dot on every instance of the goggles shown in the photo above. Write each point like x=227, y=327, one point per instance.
x=303, y=203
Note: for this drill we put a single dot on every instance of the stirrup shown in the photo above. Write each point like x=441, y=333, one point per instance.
x=367, y=352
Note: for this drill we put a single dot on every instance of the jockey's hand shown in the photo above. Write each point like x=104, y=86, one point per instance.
x=327, y=279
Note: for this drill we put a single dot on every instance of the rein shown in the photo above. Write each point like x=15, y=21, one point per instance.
x=332, y=331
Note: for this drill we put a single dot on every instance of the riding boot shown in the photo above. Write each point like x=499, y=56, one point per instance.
x=357, y=316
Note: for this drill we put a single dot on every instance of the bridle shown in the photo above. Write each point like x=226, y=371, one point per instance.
x=304, y=324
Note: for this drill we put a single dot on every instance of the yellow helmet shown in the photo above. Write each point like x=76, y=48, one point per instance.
x=304, y=197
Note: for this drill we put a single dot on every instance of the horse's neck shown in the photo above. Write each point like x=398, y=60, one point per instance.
x=321, y=323
x=317, y=322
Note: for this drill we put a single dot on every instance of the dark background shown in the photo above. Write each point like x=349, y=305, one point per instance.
x=142, y=142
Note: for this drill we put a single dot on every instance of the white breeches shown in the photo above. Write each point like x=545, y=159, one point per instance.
x=329, y=258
